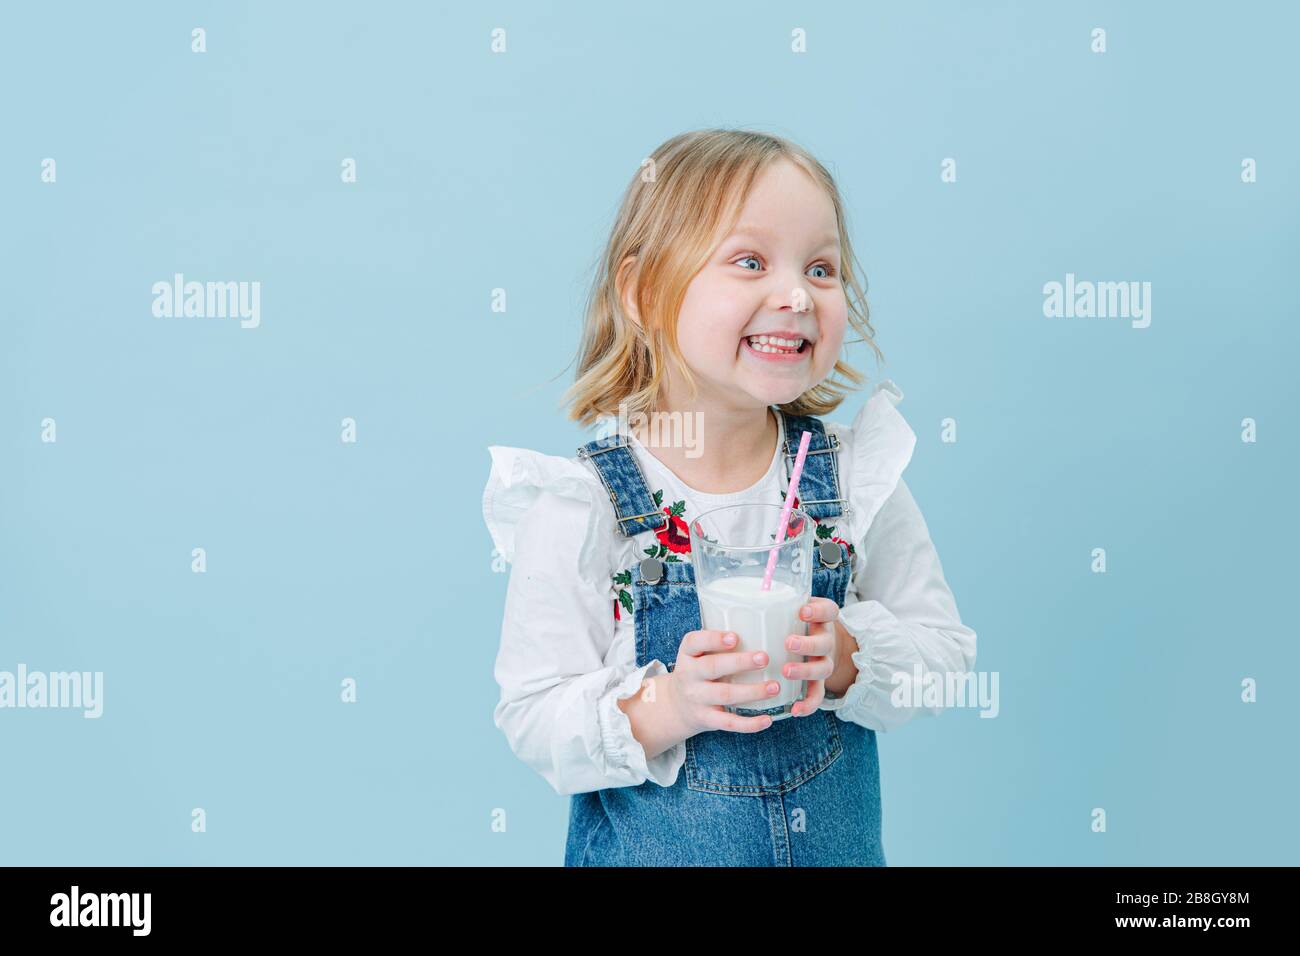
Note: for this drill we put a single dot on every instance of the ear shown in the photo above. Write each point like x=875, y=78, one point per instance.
x=625, y=285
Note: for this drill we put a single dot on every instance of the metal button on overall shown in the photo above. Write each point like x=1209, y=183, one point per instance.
x=652, y=570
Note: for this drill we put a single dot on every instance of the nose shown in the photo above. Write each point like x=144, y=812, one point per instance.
x=787, y=296
x=791, y=290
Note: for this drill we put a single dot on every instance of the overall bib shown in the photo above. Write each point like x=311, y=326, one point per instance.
x=803, y=792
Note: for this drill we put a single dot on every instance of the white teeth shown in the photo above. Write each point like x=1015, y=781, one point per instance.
x=772, y=343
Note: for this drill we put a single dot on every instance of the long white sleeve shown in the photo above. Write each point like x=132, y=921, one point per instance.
x=905, y=619
x=559, y=685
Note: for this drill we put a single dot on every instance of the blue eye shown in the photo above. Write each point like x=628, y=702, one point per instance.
x=824, y=266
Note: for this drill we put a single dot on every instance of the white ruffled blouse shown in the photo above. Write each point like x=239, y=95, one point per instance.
x=568, y=653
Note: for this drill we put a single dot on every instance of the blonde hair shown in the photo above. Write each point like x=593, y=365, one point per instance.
x=667, y=225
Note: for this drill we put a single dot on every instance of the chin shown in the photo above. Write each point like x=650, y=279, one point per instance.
x=779, y=396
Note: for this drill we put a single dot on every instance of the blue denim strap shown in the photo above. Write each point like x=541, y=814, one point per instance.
x=634, y=506
x=819, y=484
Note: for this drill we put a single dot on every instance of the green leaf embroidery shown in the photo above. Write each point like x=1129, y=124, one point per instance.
x=823, y=531
x=678, y=508
x=625, y=599
x=653, y=551
x=663, y=549
x=659, y=498
x=673, y=557
x=623, y=577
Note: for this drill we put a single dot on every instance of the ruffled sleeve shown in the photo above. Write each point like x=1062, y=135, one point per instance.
x=881, y=448
x=519, y=477
x=560, y=672
x=900, y=610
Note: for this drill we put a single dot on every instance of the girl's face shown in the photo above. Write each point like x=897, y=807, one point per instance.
x=776, y=275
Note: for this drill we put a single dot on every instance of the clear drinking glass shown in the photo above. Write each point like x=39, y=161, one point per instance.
x=729, y=584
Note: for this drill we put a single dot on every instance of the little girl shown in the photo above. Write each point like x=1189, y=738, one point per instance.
x=722, y=300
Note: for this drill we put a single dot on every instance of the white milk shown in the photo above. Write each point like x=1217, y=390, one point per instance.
x=762, y=620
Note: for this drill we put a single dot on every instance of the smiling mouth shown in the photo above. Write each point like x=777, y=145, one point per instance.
x=776, y=355
x=776, y=345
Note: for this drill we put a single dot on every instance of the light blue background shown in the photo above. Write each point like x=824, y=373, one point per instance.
x=477, y=171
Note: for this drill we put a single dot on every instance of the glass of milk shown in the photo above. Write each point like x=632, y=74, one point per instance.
x=729, y=552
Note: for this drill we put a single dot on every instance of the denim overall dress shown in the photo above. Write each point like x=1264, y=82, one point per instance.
x=803, y=792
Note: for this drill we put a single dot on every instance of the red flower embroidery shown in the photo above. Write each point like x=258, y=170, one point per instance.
x=675, y=534
x=825, y=532
x=675, y=537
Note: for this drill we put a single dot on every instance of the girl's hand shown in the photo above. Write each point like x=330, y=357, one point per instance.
x=820, y=649
x=696, y=695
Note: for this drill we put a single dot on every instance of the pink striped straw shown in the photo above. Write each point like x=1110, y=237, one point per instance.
x=790, y=494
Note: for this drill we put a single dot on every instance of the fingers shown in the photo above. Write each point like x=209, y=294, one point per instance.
x=819, y=610
x=820, y=639
x=719, y=719
x=707, y=642
x=814, y=668
x=818, y=644
x=818, y=648
x=812, y=701
x=731, y=693
x=713, y=666
x=710, y=655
